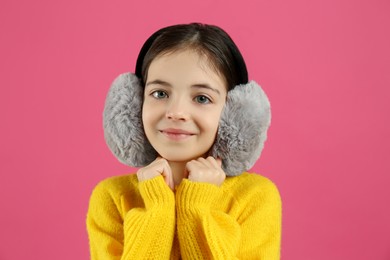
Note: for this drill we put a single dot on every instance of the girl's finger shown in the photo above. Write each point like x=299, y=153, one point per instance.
x=217, y=163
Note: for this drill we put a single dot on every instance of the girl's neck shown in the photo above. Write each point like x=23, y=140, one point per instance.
x=178, y=171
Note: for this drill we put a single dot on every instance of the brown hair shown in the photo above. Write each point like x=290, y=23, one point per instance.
x=208, y=40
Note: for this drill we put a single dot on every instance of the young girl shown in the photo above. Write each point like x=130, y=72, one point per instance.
x=191, y=199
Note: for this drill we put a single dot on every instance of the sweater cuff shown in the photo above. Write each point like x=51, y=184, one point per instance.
x=155, y=192
x=195, y=196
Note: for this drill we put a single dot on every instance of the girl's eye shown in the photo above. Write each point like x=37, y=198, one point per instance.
x=159, y=94
x=202, y=99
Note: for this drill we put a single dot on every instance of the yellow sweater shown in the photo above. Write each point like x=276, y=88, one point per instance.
x=241, y=219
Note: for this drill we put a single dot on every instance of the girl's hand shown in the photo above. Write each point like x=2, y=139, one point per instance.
x=159, y=166
x=206, y=170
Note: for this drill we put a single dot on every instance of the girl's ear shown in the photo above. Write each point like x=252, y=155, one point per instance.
x=241, y=134
x=242, y=128
x=122, y=122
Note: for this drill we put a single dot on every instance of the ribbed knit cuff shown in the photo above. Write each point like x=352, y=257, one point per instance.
x=195, y=196
x=155, y=192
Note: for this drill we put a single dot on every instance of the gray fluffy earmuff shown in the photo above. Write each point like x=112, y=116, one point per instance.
x=241, y=134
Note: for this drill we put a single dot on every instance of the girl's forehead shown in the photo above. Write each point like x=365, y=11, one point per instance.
x=190, y=55
x=187, y=64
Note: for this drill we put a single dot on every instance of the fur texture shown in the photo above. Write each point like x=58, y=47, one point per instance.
x=241, y=134
x=122, y=122
x=242, y=128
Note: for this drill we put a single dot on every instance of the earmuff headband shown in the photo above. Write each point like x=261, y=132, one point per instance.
x=241, y=134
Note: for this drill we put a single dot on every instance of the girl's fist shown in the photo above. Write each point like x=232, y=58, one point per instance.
x=159, y=166
x=206, y=170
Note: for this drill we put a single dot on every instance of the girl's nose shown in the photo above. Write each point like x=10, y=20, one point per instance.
x=176, y=116
x=177, y=111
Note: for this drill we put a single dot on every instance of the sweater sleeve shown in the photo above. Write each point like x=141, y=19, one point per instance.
x=141, y=232
x=260, y=220
x=204, y=233
x=252, y=232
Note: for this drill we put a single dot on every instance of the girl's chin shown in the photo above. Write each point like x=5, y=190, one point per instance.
x=180, y=158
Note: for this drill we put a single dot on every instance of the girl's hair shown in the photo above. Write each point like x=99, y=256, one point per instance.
x=209, y=40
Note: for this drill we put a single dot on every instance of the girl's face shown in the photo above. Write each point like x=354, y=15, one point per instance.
x=183, y=101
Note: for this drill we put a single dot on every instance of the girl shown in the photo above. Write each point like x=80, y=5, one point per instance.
x=186, y=117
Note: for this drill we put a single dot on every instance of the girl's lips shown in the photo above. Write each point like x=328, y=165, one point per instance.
x=176, y=134
x=176, y=131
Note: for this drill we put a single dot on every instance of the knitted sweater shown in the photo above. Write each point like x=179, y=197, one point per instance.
x=241, y=219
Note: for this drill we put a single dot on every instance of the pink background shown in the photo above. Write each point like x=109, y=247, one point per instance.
x=324, y=64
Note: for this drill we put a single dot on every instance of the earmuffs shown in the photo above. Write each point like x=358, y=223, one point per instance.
x=241, y=134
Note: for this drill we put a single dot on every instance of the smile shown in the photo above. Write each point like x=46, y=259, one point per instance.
x=176, y=134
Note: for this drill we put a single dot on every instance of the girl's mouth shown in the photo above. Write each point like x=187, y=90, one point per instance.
x=176, y=134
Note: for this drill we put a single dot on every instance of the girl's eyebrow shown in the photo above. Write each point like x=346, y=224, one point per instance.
x=158, y=82
x=198, y=86
x=206, y=86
